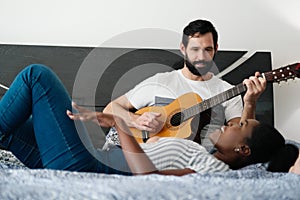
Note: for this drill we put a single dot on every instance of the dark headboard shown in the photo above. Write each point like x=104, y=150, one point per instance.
x=103, y=72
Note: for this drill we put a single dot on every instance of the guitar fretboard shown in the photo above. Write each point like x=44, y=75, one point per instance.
x=211, y=102
x=282, y=74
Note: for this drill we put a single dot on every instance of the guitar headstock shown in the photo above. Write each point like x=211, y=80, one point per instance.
x=291, y=71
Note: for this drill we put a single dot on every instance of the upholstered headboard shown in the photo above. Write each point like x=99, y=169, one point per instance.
x=101, y=74
x=94, y=76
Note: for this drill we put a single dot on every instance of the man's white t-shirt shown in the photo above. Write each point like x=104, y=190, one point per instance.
x=171, y=85
x=162, y=88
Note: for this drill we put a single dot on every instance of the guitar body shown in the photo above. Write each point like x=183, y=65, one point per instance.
x=183, y=130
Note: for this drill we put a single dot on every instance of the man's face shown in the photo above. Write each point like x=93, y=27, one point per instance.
x=199, y=54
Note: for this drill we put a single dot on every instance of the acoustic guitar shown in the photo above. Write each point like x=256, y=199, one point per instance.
x=178, y=115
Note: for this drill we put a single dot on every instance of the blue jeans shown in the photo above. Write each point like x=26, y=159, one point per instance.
x=35, y=128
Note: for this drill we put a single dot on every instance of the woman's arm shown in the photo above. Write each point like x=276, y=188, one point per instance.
x=138, y=162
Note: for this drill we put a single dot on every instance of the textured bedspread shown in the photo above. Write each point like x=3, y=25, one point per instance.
x=18, y=182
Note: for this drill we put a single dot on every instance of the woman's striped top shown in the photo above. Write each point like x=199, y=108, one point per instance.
x=177, y=153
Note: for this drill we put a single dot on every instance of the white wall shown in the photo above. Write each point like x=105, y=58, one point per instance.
x=243, y=25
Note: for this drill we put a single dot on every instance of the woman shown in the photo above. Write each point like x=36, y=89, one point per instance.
x=35, y=127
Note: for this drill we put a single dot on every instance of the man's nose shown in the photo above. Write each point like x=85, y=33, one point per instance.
x=201, y=55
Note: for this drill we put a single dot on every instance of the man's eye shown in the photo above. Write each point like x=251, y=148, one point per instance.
x=209, y=49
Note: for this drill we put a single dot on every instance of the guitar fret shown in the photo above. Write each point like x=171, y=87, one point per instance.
x=209, y=103
x=191, y=112
x=205, y=104
x=188, y=113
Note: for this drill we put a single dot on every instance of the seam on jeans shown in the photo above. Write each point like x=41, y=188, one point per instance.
x=55, y=118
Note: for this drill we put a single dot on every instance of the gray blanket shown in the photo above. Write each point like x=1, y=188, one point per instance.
x=252, y=182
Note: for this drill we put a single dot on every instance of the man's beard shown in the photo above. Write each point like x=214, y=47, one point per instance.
x=199, y=71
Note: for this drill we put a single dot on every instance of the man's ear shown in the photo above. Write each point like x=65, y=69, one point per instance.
x=182, y=49
x=216, y=48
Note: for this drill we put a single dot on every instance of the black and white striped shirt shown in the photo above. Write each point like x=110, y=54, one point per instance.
x=177, y=153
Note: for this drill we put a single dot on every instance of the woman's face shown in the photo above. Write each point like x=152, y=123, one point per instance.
x=232, y=136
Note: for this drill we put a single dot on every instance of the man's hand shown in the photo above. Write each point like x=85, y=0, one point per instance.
x=148, y=121
x=256, y=85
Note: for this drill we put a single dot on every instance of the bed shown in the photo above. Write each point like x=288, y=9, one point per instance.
x=19, y=182
x=252, y=182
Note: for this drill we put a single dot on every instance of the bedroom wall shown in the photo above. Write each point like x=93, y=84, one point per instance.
x=243, y=25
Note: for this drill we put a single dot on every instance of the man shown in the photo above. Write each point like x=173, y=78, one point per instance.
x=199, y=46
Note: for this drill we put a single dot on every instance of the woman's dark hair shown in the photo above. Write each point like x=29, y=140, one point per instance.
x=199, y=26
x=268, y=145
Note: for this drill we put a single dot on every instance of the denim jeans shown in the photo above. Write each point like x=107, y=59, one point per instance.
x=35, y=128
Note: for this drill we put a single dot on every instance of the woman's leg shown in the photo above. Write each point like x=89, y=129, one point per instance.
x=23, y=144
x=37, y=92
x=50, y=139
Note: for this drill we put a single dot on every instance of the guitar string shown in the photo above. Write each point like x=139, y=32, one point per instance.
x=206, y=104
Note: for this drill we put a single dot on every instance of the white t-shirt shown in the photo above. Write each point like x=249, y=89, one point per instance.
x=177, y=153
x=170, y=85
x=162, y=88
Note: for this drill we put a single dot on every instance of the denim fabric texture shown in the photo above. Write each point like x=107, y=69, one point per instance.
x=35, y=128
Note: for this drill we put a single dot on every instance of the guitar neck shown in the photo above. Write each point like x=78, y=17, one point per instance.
x=211, y=102
x=282, y=74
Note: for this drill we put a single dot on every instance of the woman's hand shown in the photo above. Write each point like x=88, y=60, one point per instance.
x=101, y=119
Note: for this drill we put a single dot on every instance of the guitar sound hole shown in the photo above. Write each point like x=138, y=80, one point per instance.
x=176, y=119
